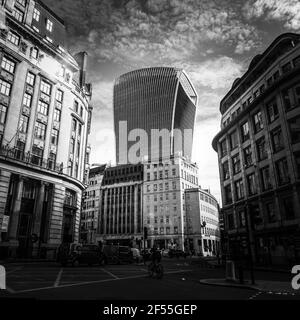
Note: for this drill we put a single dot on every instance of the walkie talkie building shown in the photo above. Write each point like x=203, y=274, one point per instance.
x=161, y=98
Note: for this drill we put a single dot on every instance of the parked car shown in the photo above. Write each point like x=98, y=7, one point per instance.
x=76, y=254
x=117, y=254
x=177, y=253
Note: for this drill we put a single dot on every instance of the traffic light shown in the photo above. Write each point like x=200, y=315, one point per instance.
x=145, y=233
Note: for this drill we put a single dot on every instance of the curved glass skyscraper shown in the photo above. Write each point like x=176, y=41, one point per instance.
x=161, y=98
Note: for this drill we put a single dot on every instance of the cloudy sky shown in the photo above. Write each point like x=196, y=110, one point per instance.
x=213, y=40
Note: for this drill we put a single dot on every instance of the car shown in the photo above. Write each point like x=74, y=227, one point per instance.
x=76, y=254
x=117, y=254
x=177, y=253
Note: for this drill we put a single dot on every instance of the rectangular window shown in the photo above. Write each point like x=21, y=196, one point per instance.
x=40, y=131
x=51, y=160
x=230, y=219
x=57, y=115
x=294, y=126
x=277, y=141
x=288, y=207
x=18, y=14
x=228, y=194
x=59, y=95
x=266, y=178
x=74, y=125
x=282, y=171
x=13, y=38
x=8, y=65
x=5, y=87
x=72, y=146
x=245, y=131
x=236, y=164
x=174, y=185
x=23, y=125
x=239, y=189
x=34, y=53
x=54, y=137
x=20, y=147
x=46, y=87
x=223, y=145
x=258, y=122
x=43, y=108
x=49, y=25
x=248, y=156
x=226, y=174
x=261, y=149
x=27, y=100
x=287, y=97
x=272, y=111
x=166, y=186
x=251, y=184
x=78, y=149
x=30, y=79
x=233, y=140
x=270, y=210
x=242, y=218
x=76, y=105
x=173, y=172
x=36, y=14
x=37, y=155
x=3, y=111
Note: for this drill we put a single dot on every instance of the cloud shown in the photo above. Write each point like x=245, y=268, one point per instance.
x=287, y=11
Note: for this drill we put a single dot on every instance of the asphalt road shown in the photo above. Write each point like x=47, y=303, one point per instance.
x=128, y=282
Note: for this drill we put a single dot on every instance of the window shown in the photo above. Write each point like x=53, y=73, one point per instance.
x=233, y=140
x=288, y=207
x=248, y=156
x=8, y=65
x=155, y=187
x=49, y=25
x=78, y=149
x=276, y=138
x=43, y=108
x=59, y=95
x=270, y=210
x=266, y=178
x=261, y=149
x=258, y=122
x=262, y=88
x=245, y=131
x=13, y=38
x=160, y=187
x=3, y=111
x=297, y=95
x=51, y=160
x=40, y=131
x=57, y=115
x=20, y=147
x=5, y=87
x=54, y=137
x=174, y=185
x=230, y=219
x=81, y=111
x=18, y=14
x=36, y=14
x=272, y=111
x=27, y=100
x=242, y=218
x=155, y=175
x=287, y=96
x=23, y=126
x=226, y=174
x=37, y=155
x=173, y=172
x=30, y=79
x=251, y=184
x=286, y=68
x=22, y=2
x=46, y=87
x=228, y=194
x=239, y=189
x=236, y=164
x=76, y=106
x=160, y=175
x=294, y=126
x=166, y=186
x=223, y=145
x=74, y=125
x=34, y=53
x=282, y=171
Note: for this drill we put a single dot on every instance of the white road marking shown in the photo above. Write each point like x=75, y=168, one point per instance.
x=94, y=282
x=56, y=283
x=109, y=273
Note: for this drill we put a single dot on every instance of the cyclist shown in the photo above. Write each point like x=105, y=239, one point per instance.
x=155, y=255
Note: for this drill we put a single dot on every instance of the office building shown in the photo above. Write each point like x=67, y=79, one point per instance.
x=259, y=155
x=45, y=115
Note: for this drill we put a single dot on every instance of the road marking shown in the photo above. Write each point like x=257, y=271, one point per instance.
x=255, y=295
x=56, y=283
x=94, y=282
x=109, y=273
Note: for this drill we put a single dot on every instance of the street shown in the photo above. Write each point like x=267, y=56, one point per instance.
x=181, y=281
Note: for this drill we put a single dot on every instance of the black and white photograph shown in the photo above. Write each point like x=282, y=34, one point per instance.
x=149, y=155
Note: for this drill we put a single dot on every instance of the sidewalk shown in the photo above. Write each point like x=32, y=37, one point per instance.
x=260, y=285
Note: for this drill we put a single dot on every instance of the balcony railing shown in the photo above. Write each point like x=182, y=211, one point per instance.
x=30, y=159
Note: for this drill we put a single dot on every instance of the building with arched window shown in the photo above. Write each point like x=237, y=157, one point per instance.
x=45, y=116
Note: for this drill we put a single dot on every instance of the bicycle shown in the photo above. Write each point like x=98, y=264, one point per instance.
x=155, y=270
